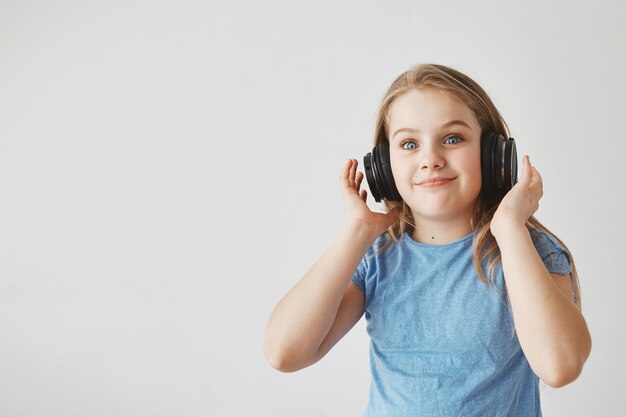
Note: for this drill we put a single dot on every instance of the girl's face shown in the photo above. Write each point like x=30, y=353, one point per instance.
x=435, y=148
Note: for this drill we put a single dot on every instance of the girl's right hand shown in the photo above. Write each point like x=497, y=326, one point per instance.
x=354, y=201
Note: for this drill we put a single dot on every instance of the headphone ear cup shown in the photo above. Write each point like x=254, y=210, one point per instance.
x=498, y=163
x=510, y=164
x=378, y=173
x=487, y=162
x=369, y=165
x=388, y=183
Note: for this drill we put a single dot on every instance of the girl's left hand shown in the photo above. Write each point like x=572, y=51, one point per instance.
x=521, y=201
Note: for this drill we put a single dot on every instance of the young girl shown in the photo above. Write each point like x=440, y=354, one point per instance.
x=445, y=341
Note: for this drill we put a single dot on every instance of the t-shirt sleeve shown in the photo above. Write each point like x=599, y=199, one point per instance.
x=358, y=277
x=554, y=256
x=367, y=266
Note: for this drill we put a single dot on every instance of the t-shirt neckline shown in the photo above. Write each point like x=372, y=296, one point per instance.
x=413, y=242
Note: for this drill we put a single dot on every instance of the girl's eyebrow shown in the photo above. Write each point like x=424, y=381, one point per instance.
x=450, y=123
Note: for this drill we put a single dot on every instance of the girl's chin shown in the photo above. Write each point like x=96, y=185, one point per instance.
x=430, y=204
x=435, y=210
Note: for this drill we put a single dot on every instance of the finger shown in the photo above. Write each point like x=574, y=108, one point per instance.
x=345, y=173
x=538, y=180
x=526, y=169
x=537, y=174
x=535, y=177
x=353, y=169
x=359, y=178
x=363, y=195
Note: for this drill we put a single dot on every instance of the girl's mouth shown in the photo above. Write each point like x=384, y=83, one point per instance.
x=435, y=183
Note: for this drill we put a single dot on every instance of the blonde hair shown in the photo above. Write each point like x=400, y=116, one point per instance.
x=484, y=245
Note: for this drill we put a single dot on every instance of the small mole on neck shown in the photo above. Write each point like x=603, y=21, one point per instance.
x=433, y=237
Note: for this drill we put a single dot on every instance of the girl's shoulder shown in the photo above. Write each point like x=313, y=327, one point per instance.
x=545, y=241
x=556, y=258
x=383, y=242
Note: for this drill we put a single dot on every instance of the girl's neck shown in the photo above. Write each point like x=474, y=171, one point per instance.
x=440, y=233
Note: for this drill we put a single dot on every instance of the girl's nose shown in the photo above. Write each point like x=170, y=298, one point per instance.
x=431, y=159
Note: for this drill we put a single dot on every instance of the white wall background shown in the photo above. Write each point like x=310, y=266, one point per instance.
x=169, y=170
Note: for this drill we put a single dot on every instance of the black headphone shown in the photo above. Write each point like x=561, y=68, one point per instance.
x=498, y=162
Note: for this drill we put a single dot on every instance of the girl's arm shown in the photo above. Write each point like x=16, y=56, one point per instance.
x=302, y=319
x=552, y=332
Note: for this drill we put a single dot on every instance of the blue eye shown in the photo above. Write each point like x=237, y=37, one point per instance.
x=455, y=136
x=456, y=140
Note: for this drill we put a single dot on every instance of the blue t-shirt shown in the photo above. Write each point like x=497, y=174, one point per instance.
x=442, y=342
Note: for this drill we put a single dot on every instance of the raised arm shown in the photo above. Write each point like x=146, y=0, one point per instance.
x=303, y=318
x=552, y=332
